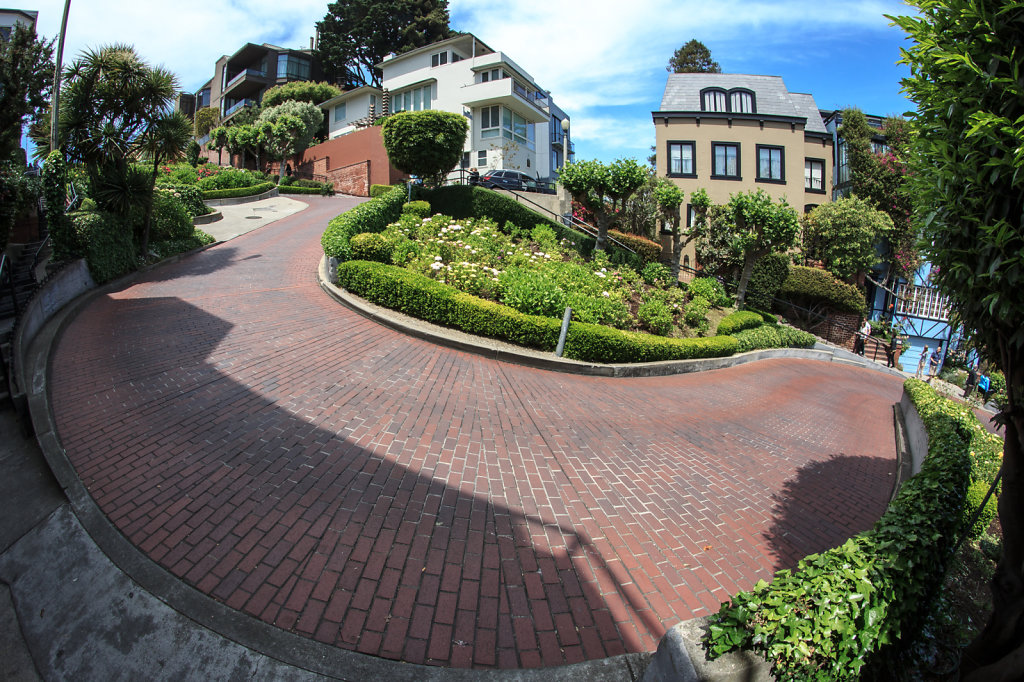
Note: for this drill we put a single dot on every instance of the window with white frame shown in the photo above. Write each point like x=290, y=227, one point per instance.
x=681, y=159
x=481, y=158
x=814, y=175
x=516, y=128
x=339, y=112
x=725, y=160
x=439, y=59
x=415, y=99
x=771, y=166
x=741, y=102
x=488, y=76
x=490, y=122
x=713, y=100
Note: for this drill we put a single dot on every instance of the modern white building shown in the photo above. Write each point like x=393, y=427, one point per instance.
x=514, y=124
x=11, y=17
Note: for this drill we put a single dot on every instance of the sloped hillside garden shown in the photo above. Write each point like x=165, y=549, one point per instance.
x=513, y=283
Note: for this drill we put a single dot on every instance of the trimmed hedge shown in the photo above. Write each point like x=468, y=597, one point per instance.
x=107, y=243
x=380, y=190
x=371, y=216
x=648, y=250
x=772, y=336
x=238, y=191
x=741, y=319
x=324, y=189
x=842, y=609
x=190, y=195
x=371, y=246
x=420, y=209
x=769, y=273
x=427, y=299
x=172, y=247
x=810, y=286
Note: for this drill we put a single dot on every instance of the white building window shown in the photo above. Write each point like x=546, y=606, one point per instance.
x=339, y=112
x=439, y=59
x=416, y=99
x=741, y=102
x=814, y=175
x=712, y=100
x=488, y=76
x=481, y=158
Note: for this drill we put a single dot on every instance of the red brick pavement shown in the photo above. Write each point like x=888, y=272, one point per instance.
x=333, y=477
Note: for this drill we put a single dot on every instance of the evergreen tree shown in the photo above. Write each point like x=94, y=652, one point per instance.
x=693, y=57
x=26, y=76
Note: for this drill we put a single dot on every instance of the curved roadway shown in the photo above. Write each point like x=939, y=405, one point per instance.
x=335, y=478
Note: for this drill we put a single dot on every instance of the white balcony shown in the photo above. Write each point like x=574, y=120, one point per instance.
x=506, y=92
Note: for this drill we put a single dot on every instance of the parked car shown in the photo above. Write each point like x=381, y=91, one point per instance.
x=508, y=179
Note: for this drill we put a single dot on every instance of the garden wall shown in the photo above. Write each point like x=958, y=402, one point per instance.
x=352, y=162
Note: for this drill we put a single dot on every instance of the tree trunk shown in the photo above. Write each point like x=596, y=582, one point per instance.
x=998, y=652
x=603, y=221
x=748, y=270
x=678, y=242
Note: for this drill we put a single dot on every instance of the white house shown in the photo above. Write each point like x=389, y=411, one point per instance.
x=513, y=122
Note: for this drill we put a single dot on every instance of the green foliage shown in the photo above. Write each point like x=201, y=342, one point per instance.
x=656, y=317
x=426, y=144
x=379, y=190
x=591, y=182
x=288, y=128
x=811, y=287
x=173, y=247
x=766, y=279
x=322, y=188
x=238, y=191
x=837, y=611
x=760, y=227
x=63, y=235
x=371, y=246
x=697, y=314
x=206, y=119
x=371, y=216
x=356, y=35
x=648, y=250
x=711, y=289
x=656, y=274
x=639, y=213
x=219, y=139
x=170, y=219
x=693, y=57
x=192, y=153
x=420, y=209
x=26, y=76
x=109, y=247
x=17, y=193
x=975, y=494
x=298, y=91
x=739, y=320
x=843, y=234
x=772, y=336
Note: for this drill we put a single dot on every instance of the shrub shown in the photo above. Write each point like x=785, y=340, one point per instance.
x=379, y=190
x=534, y=292
x=62, y=230
x=697, y=314
x=765, y=281
x=769, y=336
x=656, y=317
x=711, y=289
x=741, y=319
x=596, y=343
x=172, y=247
x=425, y=143
x=648, y=250
x=975, y=494
x=840, y=609
x=809, y=287
x=322, y=188
x=190, y=195
x=238, y=191
x=371, y=216
x=371, y=246
x=286, y=181
x=222, y=178
x=170, y=219
x=656, y=274
x=108, y=245
x=420, y=209
x=769, y=318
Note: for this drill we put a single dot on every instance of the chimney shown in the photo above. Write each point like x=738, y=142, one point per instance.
x=311, y=42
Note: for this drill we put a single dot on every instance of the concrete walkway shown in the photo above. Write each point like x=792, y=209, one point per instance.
x=312, y=484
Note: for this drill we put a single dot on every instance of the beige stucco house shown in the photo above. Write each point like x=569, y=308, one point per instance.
x=731, y=133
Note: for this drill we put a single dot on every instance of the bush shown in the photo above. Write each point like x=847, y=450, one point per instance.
x=286, y=181
x=769, y=336
x=696, y=314
x=238, y=191
x=379, y=190
x=809, y=287
x=839, y=610
x=372, y=247
x=371, y=216
x=765, y=281
x=108, y=244
x=322, y=188
x=190, y=195
x=648, y=250
x=975, y=494
x=711, y=289
x=420, y=209
x=172, y=247
x=741, y=319
x=62, y=231
x=170, y=219
x=656, y=274
x=655, y=317
x=425, y=143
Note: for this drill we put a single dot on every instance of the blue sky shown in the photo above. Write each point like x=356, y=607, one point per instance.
x=603, y=60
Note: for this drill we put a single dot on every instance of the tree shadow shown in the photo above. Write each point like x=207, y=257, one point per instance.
x=812, y=514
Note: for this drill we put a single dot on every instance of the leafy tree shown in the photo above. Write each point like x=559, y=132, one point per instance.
x=289, y=127
x=245, y=139
x=881, y=179
x=693, y=57
x=640, y=214
x=602, y=189
x=670, y=199
x=166, y=140
x=26, y=76
x=843, y=235
x=299, y=91
x=756, y=227
x=218, y=140
x=206, y=119
x=968, y=181
x=426, y=144
x=356, y=35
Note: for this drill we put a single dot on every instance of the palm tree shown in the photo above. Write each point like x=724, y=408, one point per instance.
x=165, y=140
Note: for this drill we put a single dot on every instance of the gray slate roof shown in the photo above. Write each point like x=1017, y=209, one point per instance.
x=682, y=93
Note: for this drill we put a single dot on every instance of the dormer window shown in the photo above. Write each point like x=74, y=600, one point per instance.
x=713, y=99
x=741, y=102
x=439, y=59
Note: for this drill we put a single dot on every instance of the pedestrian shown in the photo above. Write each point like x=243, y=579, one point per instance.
x=984, y=384
x=474, y=176
x=972, y=379
x=933, y=362
x=890, y=352
x=921, y=362
x=862, y=335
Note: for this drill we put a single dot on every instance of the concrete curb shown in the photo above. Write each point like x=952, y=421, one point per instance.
x=208, y=218
x=277, y=644
x=231, y=201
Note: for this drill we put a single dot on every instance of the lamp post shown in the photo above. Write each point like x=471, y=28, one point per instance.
x=55, y=106
x=565, y=160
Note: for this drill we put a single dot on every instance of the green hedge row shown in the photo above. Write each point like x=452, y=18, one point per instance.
x=238, y=191
x=380, y=190
x=648, y=250
x=838, y=611
x=371, y=216
x=741, y=319
x=324, y=190
x=811, y=286
x=427, y=299
x=773, y=336
x=769, y=273
x=107, y=244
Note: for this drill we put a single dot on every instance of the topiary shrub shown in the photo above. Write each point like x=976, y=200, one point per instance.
x=710, y=289
x=766, y=280
x=170, y=219
x=371, y=216
x=420, y=209
x=372, y=247
x=108, y=244
x=811, y=287
x=769, y=336
x=741, y=319
x=648, y=250
x=379, y=190
x=238, y=191
x=975, y=494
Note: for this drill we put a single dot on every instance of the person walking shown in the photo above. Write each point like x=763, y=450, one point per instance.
x=984, y=384
x=972, y=379
x=865, y=332
x=921, y=363
x=933, y=363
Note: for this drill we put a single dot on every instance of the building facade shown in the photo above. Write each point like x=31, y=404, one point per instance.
x=9, y=18
x=514, y=124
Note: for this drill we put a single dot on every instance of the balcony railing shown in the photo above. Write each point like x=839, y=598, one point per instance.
x=236, y=106
x=251, y=73
x=921, y=301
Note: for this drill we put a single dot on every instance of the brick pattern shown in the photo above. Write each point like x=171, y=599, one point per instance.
x=353, y=179
x=320, y=472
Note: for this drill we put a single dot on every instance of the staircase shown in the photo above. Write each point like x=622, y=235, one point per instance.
x=18, y=282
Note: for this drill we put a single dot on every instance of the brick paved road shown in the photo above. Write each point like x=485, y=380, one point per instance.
x=330, y=476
